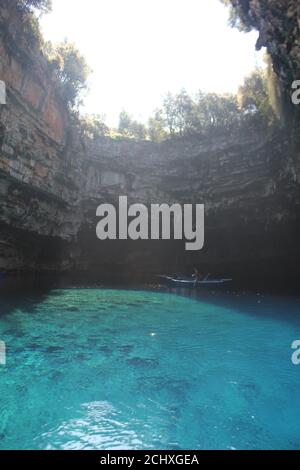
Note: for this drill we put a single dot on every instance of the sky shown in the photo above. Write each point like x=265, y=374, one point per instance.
x=140, y=49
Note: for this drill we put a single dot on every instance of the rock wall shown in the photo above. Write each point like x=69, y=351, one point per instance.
x=52, y=179
x=278, y=24
x=248, y=183
x=36, y=184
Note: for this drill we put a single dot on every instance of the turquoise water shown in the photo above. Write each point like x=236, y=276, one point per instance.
x=108, y=369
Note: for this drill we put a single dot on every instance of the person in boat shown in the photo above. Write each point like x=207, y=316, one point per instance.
x=197, y=276
x=200, y=277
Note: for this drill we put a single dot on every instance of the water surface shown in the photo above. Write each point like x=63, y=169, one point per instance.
x=112, y=369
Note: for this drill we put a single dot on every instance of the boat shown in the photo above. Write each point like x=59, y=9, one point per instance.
x=190, y=282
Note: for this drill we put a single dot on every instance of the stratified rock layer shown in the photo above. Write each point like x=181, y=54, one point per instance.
x=52, y=180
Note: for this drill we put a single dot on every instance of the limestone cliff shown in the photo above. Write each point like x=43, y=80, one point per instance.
x=52, y=179
x=278, y=24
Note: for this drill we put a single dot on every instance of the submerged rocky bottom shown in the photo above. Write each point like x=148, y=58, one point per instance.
x=117, y=369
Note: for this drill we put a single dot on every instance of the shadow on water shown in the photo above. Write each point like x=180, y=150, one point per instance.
x=27, y=293
x=281, y=306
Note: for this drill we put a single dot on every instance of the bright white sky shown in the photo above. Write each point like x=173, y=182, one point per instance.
x=140, y=49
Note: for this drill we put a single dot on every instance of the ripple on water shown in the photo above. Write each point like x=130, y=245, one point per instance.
x=104, y=369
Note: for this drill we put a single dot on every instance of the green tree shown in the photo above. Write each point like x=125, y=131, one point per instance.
x=168, y=113
x=124, y=122
x=184, y=117
x=177, y=114
x=131, y=127
x=239, y=14
x=182, y=114
x=138, y=130
x=44, y=6
x=94, y=126
x=156, y=131
x=217, y=111
x=71, y=70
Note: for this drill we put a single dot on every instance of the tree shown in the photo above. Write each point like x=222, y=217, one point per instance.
x=239, y=14
x=44, y=6
x=156, y=130
x=138, y=130
x=217, y=111
x=94, y=126
x=131, y=127
x=177, y=115
x=168, y=113
x=71, y=70
x=124, y=122
x=182, y=114
x=184, y=107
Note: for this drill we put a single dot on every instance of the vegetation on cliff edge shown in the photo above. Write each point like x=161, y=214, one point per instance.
x=256, y=105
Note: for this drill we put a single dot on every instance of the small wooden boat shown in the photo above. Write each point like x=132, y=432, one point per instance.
x=191, y=282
